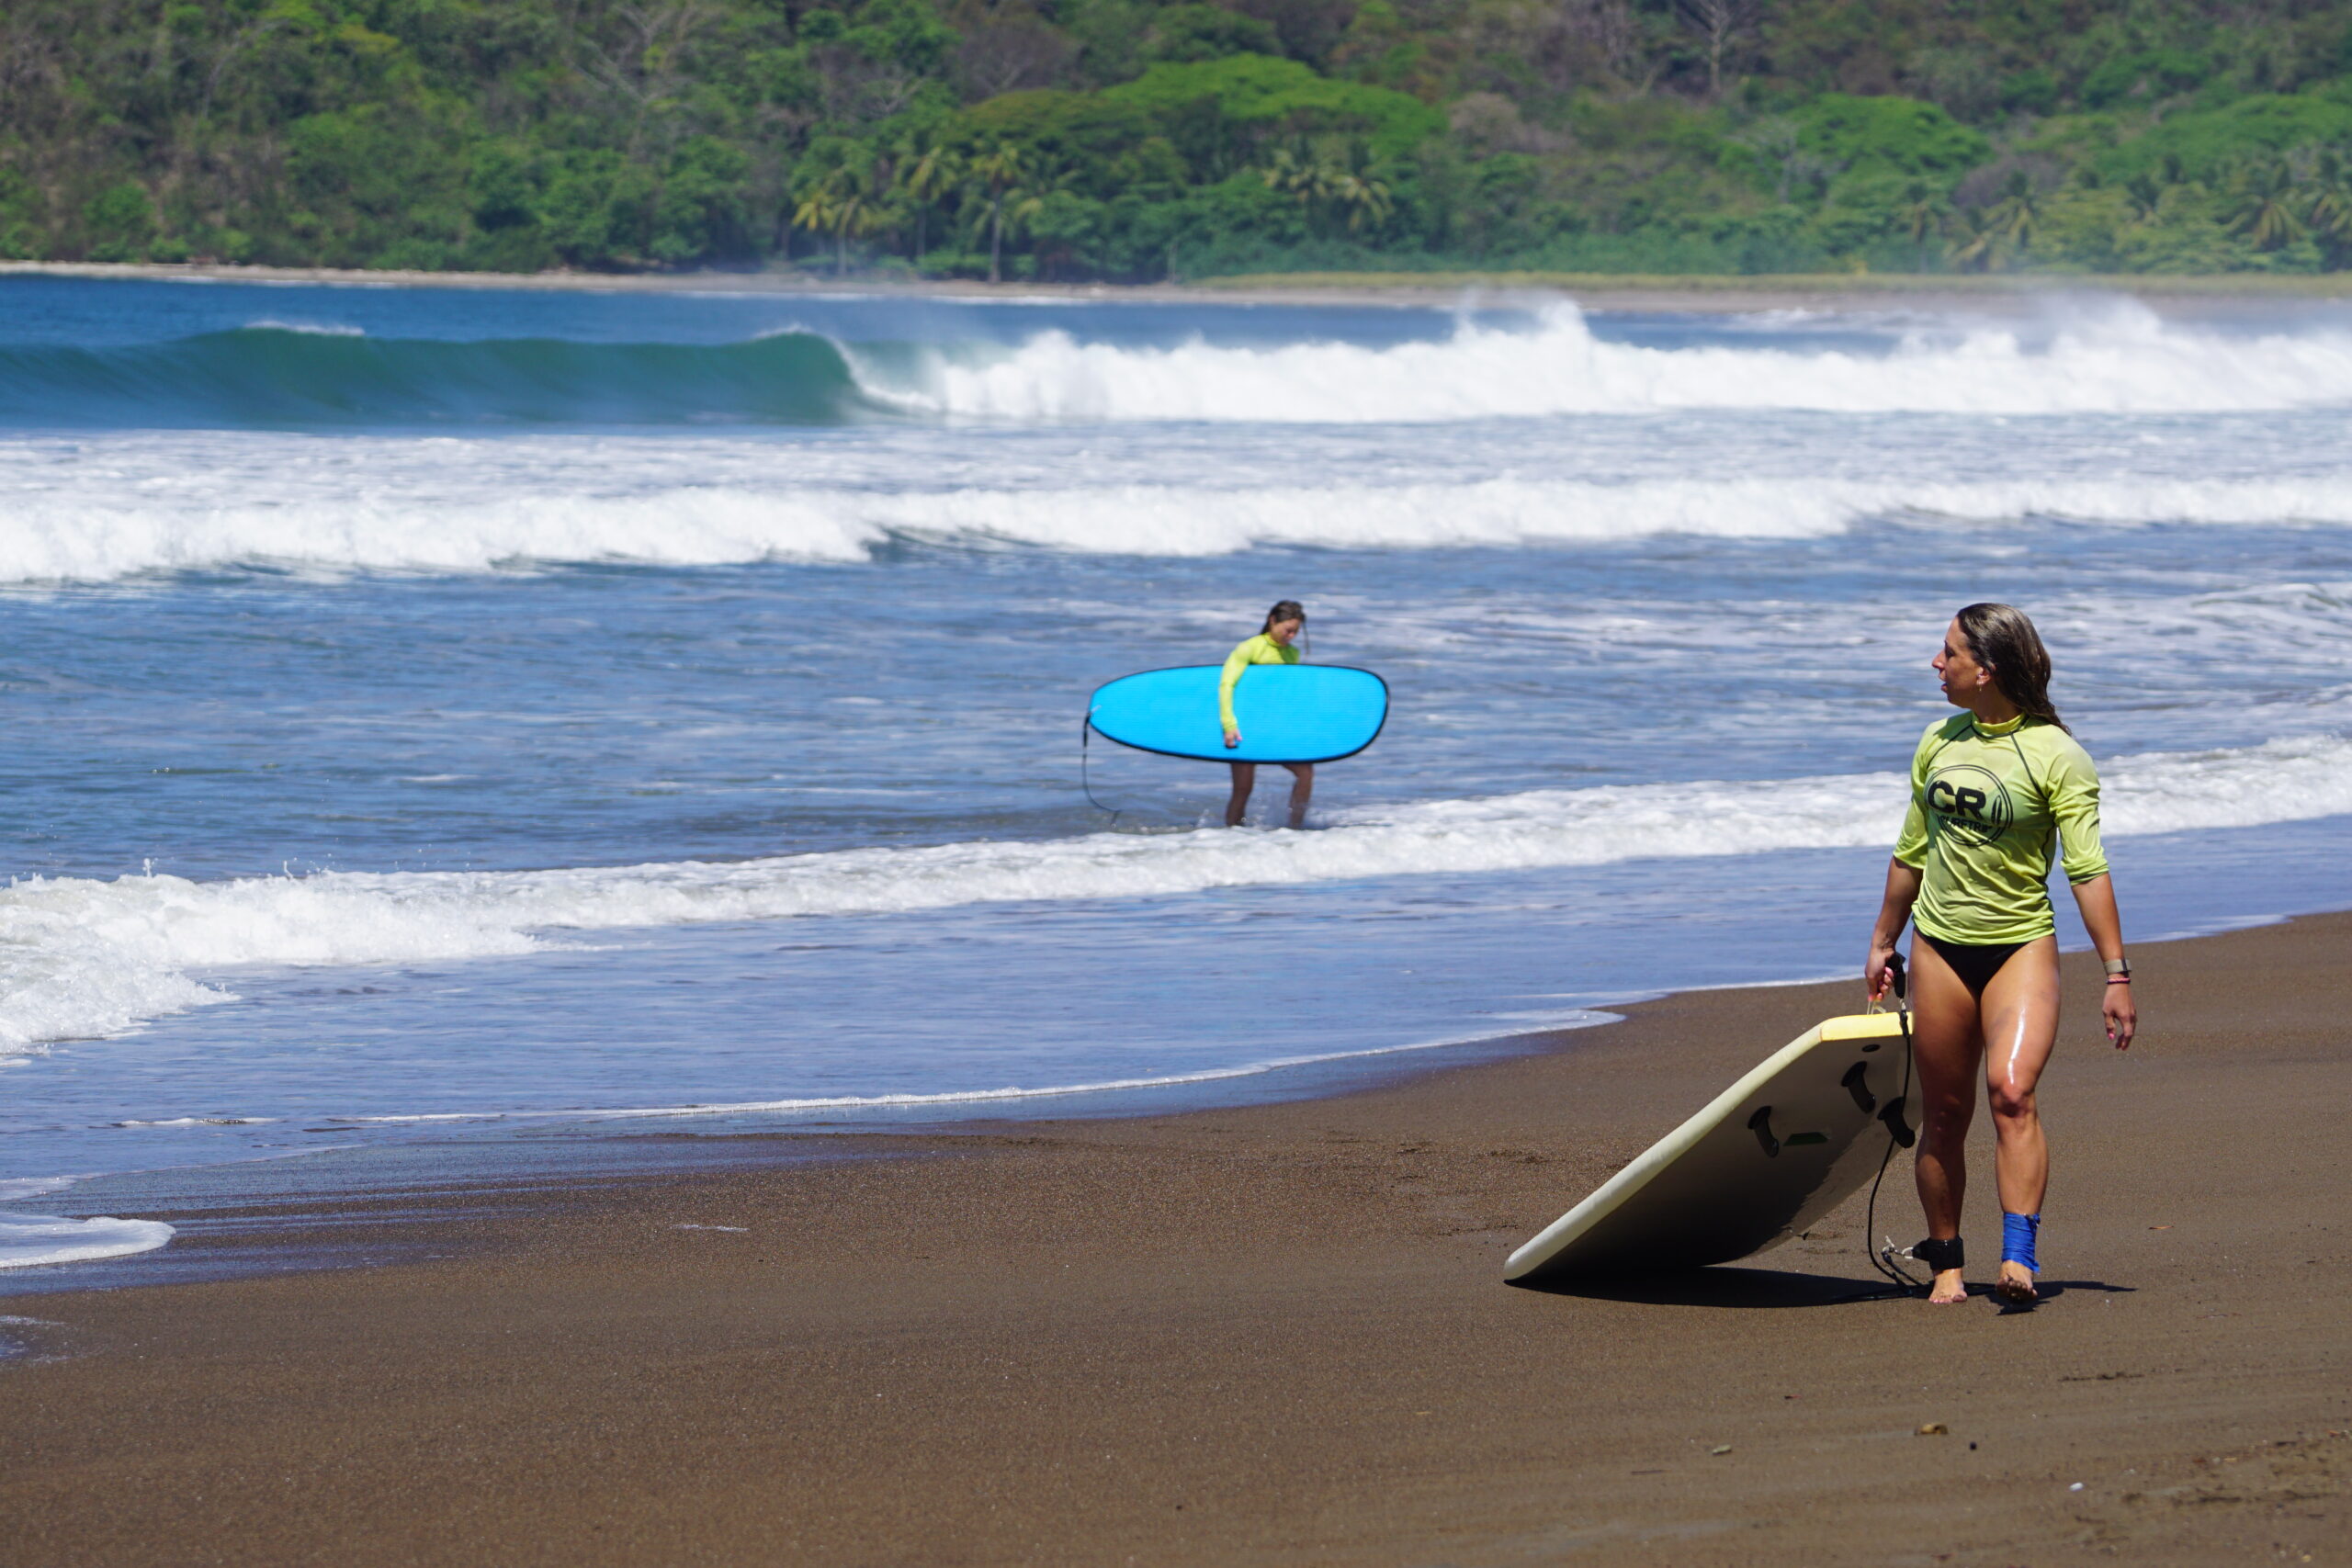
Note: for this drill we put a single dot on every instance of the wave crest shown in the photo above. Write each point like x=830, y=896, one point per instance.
x=281, y=376
x=81, y=957
x=64, y=538
x=2119, y=359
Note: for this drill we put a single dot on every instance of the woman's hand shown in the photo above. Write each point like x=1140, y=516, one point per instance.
x=2122, y=1015
x=1894, y=914
x=1878, y=969
x=1232, y=739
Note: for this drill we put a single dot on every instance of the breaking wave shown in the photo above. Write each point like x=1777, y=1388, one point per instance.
x=2114, y=358
x=63, y=537
x=2117, y=358
x=82, y=957
x=271, y=376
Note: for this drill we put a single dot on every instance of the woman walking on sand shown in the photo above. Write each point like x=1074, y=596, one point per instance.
x=1270, y=645
x=1995, y=792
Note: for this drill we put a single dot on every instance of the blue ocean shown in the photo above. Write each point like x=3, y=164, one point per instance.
x=440, y=713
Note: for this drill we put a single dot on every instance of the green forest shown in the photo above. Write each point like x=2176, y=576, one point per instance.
x=1131, y=140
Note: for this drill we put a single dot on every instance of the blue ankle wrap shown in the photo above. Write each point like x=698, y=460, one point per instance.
x=2019, y=1232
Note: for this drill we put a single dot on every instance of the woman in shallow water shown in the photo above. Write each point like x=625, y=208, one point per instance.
x=1994, y=792
x=1270, y=645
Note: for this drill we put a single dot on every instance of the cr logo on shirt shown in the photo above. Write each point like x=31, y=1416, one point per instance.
x=1972, y=803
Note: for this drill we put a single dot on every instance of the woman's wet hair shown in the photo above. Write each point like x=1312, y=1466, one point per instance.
x=2001, y=639
x=1290, y=610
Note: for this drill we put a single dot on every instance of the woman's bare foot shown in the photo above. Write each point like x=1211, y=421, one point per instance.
x=2016, y=1285
x=1948, y=1288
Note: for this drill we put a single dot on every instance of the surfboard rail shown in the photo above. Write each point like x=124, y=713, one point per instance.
x=1327, y=711
x=1766, y=1186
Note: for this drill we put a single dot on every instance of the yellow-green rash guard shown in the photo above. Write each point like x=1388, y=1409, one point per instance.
x=1259, y=649
x=1989, y=804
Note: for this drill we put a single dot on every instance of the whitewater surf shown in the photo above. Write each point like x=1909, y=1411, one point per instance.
x=456, y=709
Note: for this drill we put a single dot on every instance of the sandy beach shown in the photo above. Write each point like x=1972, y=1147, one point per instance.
x=1281, y=1335
x=1996, y=294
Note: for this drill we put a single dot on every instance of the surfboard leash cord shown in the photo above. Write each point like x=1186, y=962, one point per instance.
x=1085, y=735
x=1884, y=1258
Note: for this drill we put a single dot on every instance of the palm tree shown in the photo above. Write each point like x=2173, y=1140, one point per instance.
x=931, y=173
x=1330, y=179
x=1978, y=241
x=841, y=204
x=2330, y=211
x=998, y=172
x=2262, y=203
x=817, y=213
x=1011, y=187
x=1921, y=214
x=1356, y=190
x=1297, y=169
x=2019, y=218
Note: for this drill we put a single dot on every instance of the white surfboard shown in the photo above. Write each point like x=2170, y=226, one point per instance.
x=1770, y=1156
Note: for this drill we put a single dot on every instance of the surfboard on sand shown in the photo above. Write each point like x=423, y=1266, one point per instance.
x=1789, y=1142
x=1288, y=713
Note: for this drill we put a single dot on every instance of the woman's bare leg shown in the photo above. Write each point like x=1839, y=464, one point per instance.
x=1302, y=786
x=1947, y=1043
x=2021, y=1025
x=1245, y=779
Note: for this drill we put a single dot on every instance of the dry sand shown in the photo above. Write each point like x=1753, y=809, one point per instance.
x=1280, y=1335
x=1995, y=294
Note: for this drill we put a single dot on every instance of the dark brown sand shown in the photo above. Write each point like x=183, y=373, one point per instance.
x=1280, y=1335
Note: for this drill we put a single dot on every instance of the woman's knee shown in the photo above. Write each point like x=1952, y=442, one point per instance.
x=1946, y=1115
x=2009, y=1103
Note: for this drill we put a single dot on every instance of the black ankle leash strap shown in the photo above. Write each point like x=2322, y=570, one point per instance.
x=1887, y=1259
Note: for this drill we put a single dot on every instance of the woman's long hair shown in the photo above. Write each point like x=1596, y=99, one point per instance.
x=1289, y=610
x=2001, y=639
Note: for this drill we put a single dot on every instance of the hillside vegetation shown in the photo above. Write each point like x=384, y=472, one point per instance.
x=1129, y=140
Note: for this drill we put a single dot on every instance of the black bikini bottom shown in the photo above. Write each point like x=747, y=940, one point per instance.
x=1974, y=966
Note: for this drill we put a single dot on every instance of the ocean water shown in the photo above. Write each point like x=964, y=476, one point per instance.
x=441, y=712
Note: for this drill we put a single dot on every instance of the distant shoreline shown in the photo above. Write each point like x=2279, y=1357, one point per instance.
x=1607, y=291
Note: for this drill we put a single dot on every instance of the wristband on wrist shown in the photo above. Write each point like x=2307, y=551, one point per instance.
x=2119, y=968
x=2119, y=980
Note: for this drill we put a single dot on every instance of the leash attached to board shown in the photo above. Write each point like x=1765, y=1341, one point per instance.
x=1888, y=1259
x=1085, y=733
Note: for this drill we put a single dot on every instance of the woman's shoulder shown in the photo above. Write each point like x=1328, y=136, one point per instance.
x=1248, y=645
x=1944, y=731
x=2054, y=744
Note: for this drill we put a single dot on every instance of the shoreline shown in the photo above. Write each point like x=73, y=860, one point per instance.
x=343, y=1185
x=1276, y=1332
x=489, y=1149
x=1729, y=295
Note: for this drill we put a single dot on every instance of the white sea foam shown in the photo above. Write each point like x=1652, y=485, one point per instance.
x=306, y=328
x=28, y=1239
x=1519, y=1023
x=2113, y=357
x=83, y=957
x=32, y=1186
x=71, y=539
x=199, y=1122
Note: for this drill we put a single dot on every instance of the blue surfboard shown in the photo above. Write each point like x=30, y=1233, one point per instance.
x=1288, y=713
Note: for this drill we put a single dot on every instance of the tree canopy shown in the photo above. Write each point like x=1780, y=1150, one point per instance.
x=1130, y=140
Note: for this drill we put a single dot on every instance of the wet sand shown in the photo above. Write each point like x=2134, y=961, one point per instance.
x=1280, y=1335
x=1998, y=294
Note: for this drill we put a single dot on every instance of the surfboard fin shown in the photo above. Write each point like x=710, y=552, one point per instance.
x=1897, y=1127
x=1761, y=1125
x=1856, y=1083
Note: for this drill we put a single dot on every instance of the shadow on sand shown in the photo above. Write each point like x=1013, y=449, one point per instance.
x=1764, y=1288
